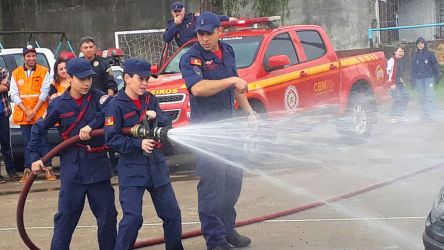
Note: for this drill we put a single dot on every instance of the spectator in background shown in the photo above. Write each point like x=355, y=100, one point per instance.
x=395, y=68
x=426, y=72
x=60, y=82
x=104, y=79
x=5, y=138
x=29, y=91
x=182, y=26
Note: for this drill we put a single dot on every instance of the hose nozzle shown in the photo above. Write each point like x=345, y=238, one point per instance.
x=157, y=133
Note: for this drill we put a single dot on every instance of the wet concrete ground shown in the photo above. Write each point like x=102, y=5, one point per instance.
x=390, y=217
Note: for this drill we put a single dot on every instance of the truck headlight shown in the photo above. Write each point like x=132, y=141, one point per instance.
x=437, y=212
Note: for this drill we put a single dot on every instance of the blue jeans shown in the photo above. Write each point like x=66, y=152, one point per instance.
x=400, y=100
x=5, y=144
x=44, y=149
x=427, y=98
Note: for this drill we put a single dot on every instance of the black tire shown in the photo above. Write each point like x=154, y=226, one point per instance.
x=257, y=106
x=357, y=123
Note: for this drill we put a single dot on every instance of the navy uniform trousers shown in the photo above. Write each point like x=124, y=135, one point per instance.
x=166, y=207
x=218, y=191
x=71, y=201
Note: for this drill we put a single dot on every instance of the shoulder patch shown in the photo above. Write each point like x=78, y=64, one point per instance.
x=109, y=121
x=103, y=99
x=196, y=61
x=96, y=63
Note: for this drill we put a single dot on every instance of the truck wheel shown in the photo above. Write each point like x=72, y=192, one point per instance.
x=257, y=106
x=360, y=117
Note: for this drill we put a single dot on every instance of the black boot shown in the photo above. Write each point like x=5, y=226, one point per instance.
x=224, y=246
x=237, y=240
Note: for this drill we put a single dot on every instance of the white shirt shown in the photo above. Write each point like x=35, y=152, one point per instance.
x=390, y=66
x=44, y=90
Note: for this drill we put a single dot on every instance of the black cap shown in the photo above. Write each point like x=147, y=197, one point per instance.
x=28, y=48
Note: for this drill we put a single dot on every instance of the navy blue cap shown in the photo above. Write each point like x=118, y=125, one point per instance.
x=137, y=66
x=207, y=21
x=28, y=48
x=80, y=68
x=176, y=6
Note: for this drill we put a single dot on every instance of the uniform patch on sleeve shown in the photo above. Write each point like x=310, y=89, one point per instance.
x=109, y=121
x=196, y=61
x=103, y=99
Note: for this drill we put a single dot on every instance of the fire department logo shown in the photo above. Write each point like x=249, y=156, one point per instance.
x=96, y=63
x=21, y=82
x=291, y=101
x=379, y=73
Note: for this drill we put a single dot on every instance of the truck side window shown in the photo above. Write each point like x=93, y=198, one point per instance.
x=282, y=45
x=2, y=63
x=312, y=43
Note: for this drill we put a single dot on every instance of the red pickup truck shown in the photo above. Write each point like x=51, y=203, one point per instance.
x=289, y=68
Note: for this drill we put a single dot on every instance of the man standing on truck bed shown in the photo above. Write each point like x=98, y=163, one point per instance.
x=209, y=70
x=182, y=27
x=104, y=79
x=29, y=91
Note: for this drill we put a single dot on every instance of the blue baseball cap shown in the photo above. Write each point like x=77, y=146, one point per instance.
x=137, y=66
x=80, y=68
x=207, y=21
x=28, y=48
x=176, y=6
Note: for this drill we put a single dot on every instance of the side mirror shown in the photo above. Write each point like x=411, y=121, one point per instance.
x=154, y=69
x=277, y=62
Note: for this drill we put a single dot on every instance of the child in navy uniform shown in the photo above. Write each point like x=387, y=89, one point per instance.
x=138, y=171
x=85, y=170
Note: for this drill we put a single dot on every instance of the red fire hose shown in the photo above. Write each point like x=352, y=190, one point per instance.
x=197, y=232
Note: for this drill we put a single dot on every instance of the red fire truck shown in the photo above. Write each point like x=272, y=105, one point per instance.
x=288, y=68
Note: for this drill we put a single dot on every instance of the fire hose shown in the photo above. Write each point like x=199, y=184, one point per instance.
x=139, y=131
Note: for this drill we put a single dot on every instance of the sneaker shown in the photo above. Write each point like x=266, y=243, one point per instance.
x=2, y=179
x=225, y=246
x=25, y=176
x=50, y=176
x=238, y=240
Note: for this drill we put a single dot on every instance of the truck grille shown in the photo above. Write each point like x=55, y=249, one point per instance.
x=174, y=114
x=171, y=98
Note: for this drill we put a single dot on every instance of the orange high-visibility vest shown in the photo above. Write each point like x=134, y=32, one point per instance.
x=60, y=89
x=29, y=91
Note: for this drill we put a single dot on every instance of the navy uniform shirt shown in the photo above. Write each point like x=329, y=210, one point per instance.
x=76, y=164
x=185, y=31
x=198, y=64
x=135, y=168
x=104, y=79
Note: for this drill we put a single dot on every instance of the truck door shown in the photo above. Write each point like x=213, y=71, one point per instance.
x=322, y=68
x=282, y=86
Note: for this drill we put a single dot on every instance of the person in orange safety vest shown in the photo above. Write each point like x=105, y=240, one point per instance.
x=29, y=90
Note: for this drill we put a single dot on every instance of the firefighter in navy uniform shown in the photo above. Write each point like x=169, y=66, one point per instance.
x=85, y=169
x=104, y=79
x=141, y=166
x=182, y=26
x=209, y=70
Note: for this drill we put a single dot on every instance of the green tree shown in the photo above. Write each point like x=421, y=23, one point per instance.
x=260, y=7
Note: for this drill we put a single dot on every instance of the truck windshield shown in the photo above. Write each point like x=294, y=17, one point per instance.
x=245, y=49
